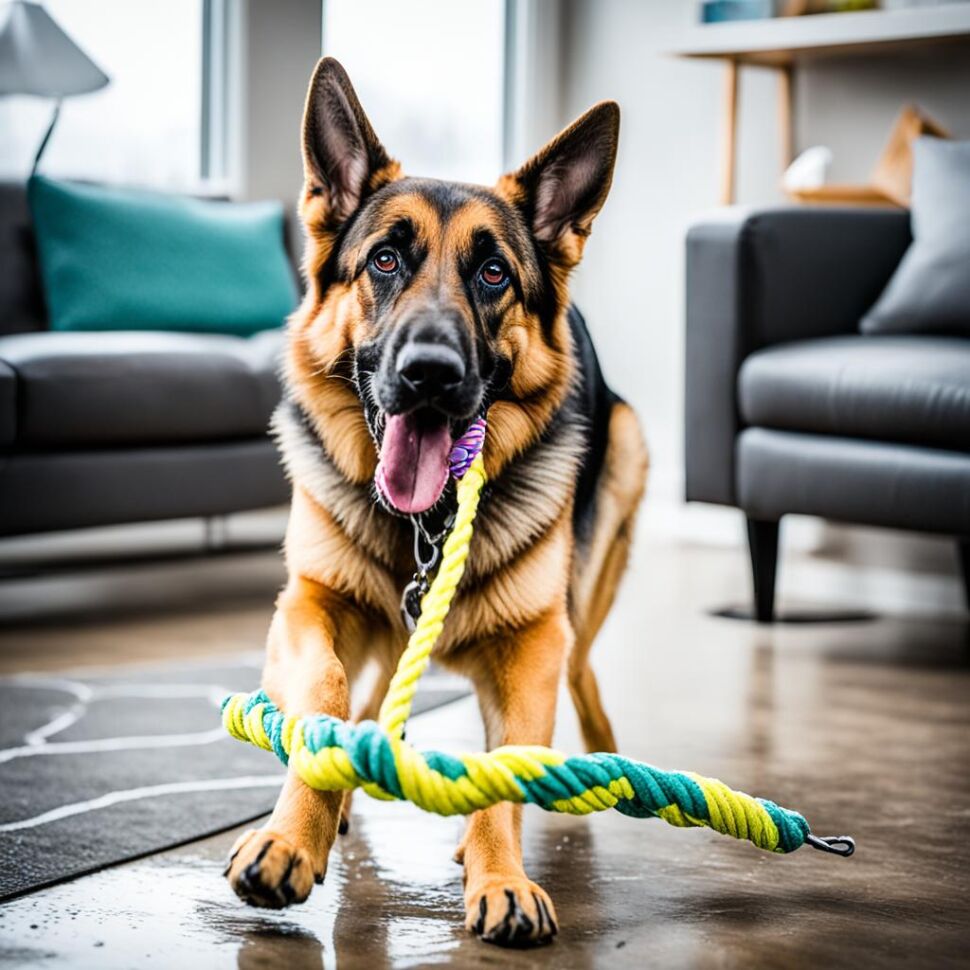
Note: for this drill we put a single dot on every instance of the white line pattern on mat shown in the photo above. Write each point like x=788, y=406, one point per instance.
x=133, y=743
x=147, y=791
x=36, y=741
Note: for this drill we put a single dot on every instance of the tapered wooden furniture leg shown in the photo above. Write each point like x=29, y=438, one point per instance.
x=786, y=115
x=729, y=134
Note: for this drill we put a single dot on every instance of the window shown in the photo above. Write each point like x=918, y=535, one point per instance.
x=144, y=128
x=430, y=76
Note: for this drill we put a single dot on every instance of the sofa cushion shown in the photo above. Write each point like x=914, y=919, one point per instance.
x=930, y=290
x=880, y=483
x=912, y=389
x=139, y=388
x=121, y=259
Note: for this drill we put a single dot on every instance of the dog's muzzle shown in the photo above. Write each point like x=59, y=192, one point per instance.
x=430, y=364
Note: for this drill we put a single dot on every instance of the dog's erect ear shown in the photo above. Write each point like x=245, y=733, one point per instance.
x=342, y=159
x=562, y=187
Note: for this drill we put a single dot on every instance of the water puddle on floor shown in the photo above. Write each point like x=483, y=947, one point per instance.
x=175, y=910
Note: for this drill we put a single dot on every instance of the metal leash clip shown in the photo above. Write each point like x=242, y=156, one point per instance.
x=843, y=845
x=427, y=552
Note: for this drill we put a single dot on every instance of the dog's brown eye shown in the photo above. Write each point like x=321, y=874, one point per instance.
x=386, y=261
x=493, y=273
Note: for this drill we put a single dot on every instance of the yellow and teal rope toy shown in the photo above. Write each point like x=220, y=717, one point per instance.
x=330, y=754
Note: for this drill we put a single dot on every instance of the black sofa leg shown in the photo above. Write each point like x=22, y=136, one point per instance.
x=763, y=547
x=963, y=551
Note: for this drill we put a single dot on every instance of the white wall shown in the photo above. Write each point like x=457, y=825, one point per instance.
x=280, y=42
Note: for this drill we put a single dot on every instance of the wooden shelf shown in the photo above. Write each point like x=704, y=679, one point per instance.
x=785, y=42
x=844, y=195
x=782, y=41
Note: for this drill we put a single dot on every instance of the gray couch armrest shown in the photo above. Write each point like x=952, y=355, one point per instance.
x=762, y=277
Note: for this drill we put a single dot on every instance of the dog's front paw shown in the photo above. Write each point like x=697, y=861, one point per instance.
x=264, y=869
x=510, y=912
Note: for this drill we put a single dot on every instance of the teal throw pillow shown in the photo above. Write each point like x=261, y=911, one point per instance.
x=121, y=259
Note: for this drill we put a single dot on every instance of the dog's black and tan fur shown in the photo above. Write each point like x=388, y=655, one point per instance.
x=564, y=455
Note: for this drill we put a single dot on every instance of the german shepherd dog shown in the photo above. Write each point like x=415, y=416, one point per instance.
x=429, y=304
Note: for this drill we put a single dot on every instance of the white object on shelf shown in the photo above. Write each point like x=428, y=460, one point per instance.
x=809, y=171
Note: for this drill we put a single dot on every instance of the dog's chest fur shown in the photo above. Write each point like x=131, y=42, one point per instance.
x=533, y=493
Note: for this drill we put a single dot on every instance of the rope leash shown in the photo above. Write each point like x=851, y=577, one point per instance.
x=330, y=754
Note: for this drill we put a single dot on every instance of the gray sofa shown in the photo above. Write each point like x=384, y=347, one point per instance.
x=105, y=428
x=789, y=409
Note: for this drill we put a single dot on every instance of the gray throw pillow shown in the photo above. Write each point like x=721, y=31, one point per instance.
x=930, y=290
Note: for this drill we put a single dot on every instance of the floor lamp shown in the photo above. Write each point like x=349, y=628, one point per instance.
x=38, y=58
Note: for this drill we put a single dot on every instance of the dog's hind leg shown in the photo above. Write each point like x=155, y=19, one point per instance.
x=583, y=687
x=601, y=565
x=278, y=864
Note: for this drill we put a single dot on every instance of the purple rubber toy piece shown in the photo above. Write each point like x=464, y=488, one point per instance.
x=466, y=449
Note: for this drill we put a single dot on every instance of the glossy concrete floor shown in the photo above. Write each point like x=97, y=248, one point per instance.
x=865, y=728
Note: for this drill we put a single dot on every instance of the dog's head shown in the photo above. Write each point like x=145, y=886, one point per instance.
x=429, y=302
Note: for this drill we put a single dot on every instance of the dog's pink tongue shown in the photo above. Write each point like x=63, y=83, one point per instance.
x=413, y=467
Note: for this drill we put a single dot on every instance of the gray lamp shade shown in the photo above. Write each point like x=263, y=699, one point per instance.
x=37, y=57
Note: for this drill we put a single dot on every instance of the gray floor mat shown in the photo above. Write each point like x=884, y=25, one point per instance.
x=100, y=770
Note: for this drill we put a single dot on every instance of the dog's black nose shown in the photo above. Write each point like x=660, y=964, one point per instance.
x=430, y=368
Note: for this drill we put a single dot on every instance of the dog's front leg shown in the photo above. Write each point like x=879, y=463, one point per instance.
x=517, y=682
x=277, y=865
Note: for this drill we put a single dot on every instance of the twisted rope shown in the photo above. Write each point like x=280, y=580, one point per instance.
x=330, y=754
